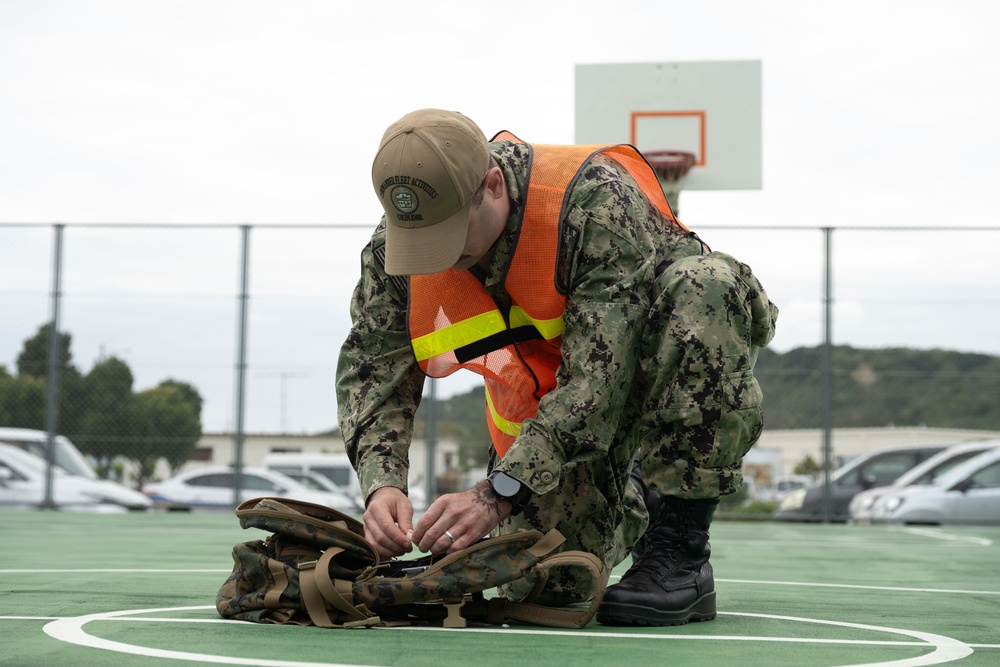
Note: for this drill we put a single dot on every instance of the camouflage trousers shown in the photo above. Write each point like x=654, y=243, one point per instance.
x=694, y=414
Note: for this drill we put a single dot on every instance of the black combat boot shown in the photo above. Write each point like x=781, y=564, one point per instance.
x=670, y=581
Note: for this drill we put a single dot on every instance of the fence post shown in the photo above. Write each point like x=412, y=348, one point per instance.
x=827, y=372
x=241, y=364
x=52, y=381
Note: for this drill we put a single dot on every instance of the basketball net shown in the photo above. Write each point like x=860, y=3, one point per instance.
x=671, y=168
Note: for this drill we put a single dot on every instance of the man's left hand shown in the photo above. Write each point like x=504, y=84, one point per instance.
x=458, y=520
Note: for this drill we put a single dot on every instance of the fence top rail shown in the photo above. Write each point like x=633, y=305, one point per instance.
x=193, y=225
x=351, y=225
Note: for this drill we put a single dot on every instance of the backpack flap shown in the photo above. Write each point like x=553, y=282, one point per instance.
x=311, y=524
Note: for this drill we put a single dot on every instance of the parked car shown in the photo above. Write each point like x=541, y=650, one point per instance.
x=212, y=488
x=23, y=478
x=925, y=473
x=335, y=467
x=67, y=456
x=969, y=493
x=872, y=470
x=783, y=485
x=317, y=482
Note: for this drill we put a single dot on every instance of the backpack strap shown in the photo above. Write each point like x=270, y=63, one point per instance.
x=537, y=614
x=318, y=588
x=495, y=611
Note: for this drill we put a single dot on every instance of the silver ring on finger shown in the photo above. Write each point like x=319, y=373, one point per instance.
x=449, y=536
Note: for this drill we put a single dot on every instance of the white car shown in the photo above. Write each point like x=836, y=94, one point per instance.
x=924, y=473
x=967, y=494
x=878, y=468
x=213, y=488
x=23, y=481
x=67, y=456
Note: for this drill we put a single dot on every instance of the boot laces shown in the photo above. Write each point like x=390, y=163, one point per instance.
x=660, y=551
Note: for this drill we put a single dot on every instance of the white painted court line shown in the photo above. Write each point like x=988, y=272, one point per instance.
x=941, y=535
x=942, y=539
x=119, y=570
x=901, y=589
x=945, y=649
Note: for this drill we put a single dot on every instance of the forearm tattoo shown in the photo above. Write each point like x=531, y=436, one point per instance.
x=483, y=494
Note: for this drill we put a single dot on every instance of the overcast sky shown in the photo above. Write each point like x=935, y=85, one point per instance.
x=875, y=113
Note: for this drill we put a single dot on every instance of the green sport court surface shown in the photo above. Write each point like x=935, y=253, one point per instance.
x=139, y=590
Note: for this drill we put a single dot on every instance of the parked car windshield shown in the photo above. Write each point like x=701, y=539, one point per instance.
x=987, y=478
x=68, y=457
x=931, y=476
x=883, y=470
x=30, y=461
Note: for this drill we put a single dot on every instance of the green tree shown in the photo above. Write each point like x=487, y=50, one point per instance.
x=100, y=411
x=107, y=421
x=34, y=357
x=22, y=402
x=462, y=417
x=190, y=393
x=33, y=362
x=808, y=466
x=167, y=425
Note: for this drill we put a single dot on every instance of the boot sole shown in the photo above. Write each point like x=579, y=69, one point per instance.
x=612, y=613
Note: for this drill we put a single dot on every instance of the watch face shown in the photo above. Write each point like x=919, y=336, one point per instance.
x=505, y=485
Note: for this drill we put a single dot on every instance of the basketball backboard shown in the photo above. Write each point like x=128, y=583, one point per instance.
x=711, y=109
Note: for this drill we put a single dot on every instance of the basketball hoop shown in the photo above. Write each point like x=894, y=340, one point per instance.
x=671, y=168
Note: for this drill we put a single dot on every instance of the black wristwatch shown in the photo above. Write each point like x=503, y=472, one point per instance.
x=511, y=490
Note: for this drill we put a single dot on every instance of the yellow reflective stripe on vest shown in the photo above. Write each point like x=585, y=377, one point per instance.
x=548, y=328
x=458, y=335
x=508, y=427
x=476, y=328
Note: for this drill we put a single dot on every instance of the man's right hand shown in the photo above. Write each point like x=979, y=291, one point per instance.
x=389, y=522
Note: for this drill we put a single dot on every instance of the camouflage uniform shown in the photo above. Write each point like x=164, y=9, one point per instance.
x=660, y=340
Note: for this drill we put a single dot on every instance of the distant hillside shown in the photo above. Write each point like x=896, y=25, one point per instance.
x=879, y=387
x=871, y=388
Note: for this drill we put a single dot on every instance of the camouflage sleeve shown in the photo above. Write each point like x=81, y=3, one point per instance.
x=378, y=382
x=608, y=296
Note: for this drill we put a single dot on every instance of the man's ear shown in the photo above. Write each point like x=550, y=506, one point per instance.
x=495, y=183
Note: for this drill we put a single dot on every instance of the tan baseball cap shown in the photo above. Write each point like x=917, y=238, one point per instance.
x=427, y=168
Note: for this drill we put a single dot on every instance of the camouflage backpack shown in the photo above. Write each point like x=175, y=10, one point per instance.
x=317, y=568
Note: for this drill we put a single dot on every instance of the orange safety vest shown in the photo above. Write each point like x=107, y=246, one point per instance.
x=454, y=323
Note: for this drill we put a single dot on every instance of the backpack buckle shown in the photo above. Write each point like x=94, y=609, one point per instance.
x=454, y=619
x=364, y=622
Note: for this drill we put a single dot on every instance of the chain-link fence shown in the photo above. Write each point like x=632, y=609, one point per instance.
x=169, y=332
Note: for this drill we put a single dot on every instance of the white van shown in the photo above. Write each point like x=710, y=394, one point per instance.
x=335, y=467
x=67, y=456
x=76, y=484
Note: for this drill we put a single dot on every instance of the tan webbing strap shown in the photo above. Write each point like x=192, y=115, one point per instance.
x=536, y=614
x=277, y=569
x=328, y=589
x=315, y=605
x=556, y=617
x=551, y=541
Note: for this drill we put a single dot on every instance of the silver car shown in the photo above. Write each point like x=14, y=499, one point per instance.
x=924, y=473
x=967, y=494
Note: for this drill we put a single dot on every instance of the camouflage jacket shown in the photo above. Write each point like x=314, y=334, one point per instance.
x=613, y=241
